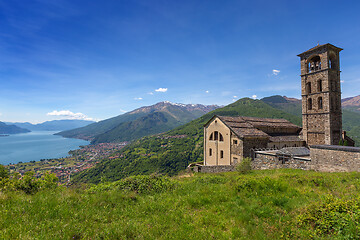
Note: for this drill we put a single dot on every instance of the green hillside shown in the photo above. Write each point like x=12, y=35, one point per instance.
x=279, y=102
x=171, y=152
x=140, y=122
x=157, y=122
x=262, y=204
x=90, y=131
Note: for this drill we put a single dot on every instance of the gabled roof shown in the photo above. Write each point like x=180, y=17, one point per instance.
x=255, y=127
x=320, y=46
x=285, y=138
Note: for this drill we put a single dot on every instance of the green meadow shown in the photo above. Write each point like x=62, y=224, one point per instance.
x=267, y=204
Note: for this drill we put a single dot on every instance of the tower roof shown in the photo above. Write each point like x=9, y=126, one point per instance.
x=327, y=45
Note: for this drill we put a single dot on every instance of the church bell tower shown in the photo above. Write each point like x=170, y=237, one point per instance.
x=321, y=95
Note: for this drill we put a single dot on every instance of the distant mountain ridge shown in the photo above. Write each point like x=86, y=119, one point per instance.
x=351, y=101
x=11, y=129
x=140, y=122
x=54, y=125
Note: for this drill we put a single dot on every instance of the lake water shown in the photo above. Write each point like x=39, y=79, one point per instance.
x=26, y=147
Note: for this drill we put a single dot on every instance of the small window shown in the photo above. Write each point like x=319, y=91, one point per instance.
x=320, y=103
x=211, y=136
x=221, y=139
x=216, y=135
x=235, y=142
x=308, y=88
x=210, y=152
x=221, y=154
x=309, y=104
x=319, y=86
x=235, y=160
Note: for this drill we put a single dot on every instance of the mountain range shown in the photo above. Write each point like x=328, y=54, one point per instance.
x=171, y=152
x=140, y=122
x=11, y=129
x=54, y=125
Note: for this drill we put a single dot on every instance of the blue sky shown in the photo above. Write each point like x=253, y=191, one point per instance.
x=98, y=59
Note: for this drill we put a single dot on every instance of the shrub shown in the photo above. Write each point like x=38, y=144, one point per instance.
x=333, y=217
x=28, y=183
x=244, y=166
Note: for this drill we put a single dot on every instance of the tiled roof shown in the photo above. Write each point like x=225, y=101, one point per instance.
x=319, y=46
x=249, y=126
x=285, y=138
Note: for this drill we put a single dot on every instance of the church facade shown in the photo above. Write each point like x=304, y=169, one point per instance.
x=227, y=140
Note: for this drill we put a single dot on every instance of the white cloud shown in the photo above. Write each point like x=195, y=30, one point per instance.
x=138, y=98
x=234, y=96
x=207, y=91
x=275, y=72
x=342, y=81
x=122, y=110
x=254, y=96
x=151, y=93
x=69, y=115
x=161, y=90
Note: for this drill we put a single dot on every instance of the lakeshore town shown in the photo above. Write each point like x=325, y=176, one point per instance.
x=78, y=160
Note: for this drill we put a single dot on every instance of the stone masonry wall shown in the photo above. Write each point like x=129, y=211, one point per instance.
x=330, y=158
x=271, y=161
x=214, y=169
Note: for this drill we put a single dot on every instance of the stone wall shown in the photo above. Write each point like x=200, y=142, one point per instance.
x=331, y=158
x=214, y=169
x=266, y=160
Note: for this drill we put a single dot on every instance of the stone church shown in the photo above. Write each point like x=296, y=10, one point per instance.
x=229, y=139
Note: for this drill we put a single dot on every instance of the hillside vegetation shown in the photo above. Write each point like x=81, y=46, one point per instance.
x=267, y=204
x=140, y=122
x=172, y=152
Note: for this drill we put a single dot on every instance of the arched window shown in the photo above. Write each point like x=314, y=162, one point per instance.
x=210, y=152
x=309, y=104
x=216, y=136
x=308, y=88
x=314, y=64
x=320, y=103
x=221, y=139
x=319, y=85
x=221, y=154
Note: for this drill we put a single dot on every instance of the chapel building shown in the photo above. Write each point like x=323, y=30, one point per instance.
x=227, y=140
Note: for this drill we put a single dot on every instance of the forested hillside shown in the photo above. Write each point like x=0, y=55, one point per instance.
x=140, y=122
x=171, y=152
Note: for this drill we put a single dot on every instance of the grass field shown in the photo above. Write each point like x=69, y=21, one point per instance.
x=267, y=204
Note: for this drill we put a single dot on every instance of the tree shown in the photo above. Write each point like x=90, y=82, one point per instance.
x=3, y=172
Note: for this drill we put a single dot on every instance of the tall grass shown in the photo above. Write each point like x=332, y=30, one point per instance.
x=271, y=204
